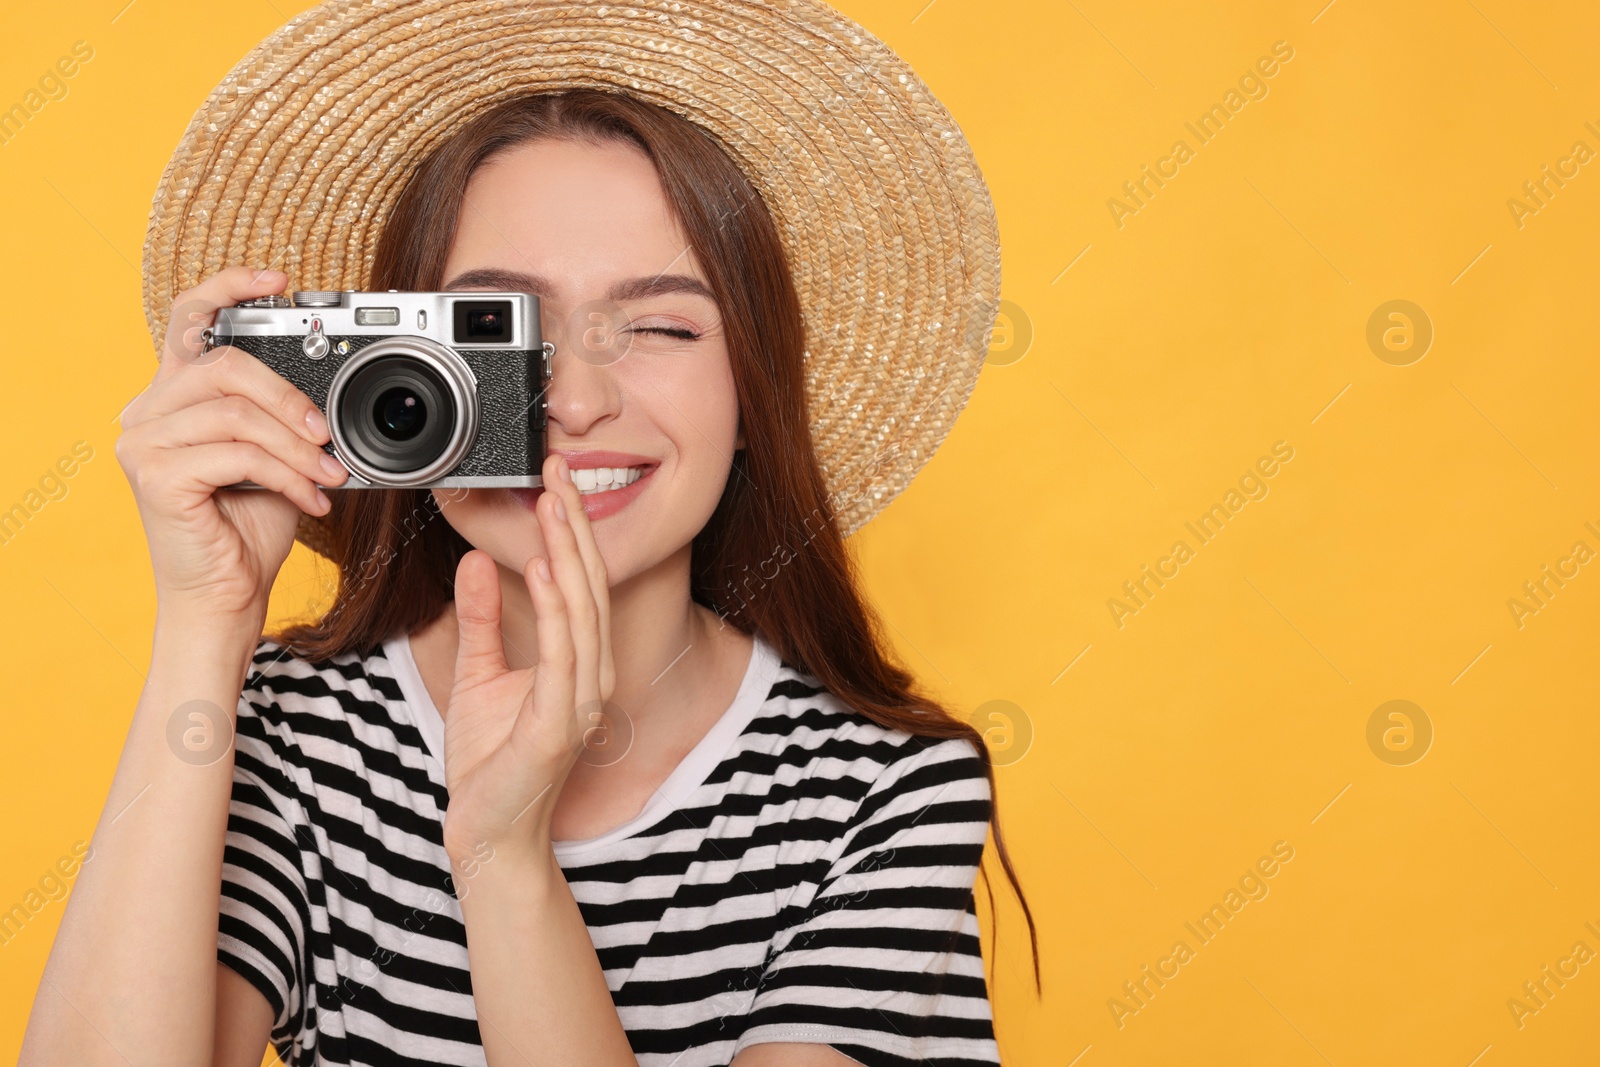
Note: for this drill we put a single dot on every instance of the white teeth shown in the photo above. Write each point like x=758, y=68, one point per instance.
x=602, y=479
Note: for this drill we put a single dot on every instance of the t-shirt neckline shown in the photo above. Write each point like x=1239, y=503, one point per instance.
x=759, y=675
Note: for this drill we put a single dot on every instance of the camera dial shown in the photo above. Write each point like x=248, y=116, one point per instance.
x=316, y=298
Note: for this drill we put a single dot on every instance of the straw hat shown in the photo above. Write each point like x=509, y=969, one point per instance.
x=296, y=159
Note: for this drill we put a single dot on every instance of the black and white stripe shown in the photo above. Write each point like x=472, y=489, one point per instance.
x=805, y=875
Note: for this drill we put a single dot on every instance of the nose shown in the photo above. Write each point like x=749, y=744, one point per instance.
x=583, y=390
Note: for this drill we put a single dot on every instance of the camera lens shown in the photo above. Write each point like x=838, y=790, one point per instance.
x=397, y=414
x=400, y=414
x=403, y=412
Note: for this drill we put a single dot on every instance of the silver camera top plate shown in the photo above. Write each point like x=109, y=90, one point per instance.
x=377, y=314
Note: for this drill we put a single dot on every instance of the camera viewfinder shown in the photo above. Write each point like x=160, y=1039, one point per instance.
x=482, y=322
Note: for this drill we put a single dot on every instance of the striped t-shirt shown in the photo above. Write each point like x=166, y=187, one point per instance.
x=803, y=875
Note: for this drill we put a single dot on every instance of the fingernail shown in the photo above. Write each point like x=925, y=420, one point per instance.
x=561, y=510
x=323, y=501
x=544, y=569
x=566, y=471
x=331, y=465
x=316, y=424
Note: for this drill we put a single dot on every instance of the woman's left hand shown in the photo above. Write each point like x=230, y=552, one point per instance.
x=512, y=736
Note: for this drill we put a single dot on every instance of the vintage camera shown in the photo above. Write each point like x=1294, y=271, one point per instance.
x=419, y=389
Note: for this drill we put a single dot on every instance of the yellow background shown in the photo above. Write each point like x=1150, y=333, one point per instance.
x=1229, y=313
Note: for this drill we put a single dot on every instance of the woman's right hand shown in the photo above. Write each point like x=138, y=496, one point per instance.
x=210, y=421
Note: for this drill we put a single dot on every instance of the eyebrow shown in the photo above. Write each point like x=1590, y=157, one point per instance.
x=497, y=278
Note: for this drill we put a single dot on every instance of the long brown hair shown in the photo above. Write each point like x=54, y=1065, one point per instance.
x=771, y=559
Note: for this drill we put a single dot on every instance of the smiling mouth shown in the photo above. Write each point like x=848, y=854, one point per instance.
x=592, y=480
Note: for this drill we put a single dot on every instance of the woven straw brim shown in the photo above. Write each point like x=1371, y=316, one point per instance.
x=296, y=159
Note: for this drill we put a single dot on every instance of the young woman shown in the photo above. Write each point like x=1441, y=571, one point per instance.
x=553, y=780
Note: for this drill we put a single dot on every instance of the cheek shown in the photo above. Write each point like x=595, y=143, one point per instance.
x=709, y=407
x=695, y=408
x=704, y=416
